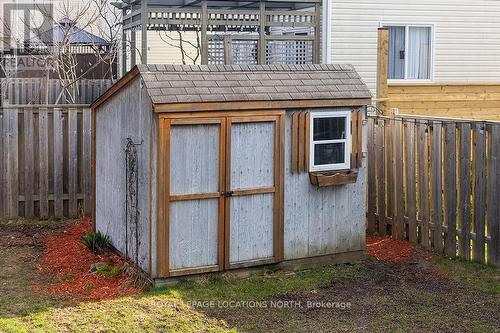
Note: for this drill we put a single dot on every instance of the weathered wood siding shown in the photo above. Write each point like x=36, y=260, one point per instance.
x=321, y=221
x=470, y=101
x=125, y=115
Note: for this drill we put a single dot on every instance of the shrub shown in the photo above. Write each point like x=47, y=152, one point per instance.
x=95, y=241
x=109, y=270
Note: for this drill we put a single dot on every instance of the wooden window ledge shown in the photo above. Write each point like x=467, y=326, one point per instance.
x=332, y=178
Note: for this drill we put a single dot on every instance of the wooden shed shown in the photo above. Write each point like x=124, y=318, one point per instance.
x=209, y=168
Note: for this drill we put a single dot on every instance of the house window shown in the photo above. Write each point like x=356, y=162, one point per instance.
x=410, y=52
x=330, y=141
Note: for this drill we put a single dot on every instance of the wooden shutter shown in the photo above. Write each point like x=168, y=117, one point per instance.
x=356, y=139
x=300, y=142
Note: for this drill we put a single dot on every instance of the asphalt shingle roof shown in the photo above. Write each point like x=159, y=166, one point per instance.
x=222, y=83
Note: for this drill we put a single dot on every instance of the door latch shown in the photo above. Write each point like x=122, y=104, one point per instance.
x=227, y=194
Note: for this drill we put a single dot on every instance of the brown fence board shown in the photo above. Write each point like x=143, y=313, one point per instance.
x=493, y=195
x=423, y=183
x=398, y=224
x=29, y=153
x=436, y=186
x=372, y=205
x=464, y=192
x=58, y=162
x=450, y=179
x=87, y=161
x=379, y=141
x=44, y=161
x=411, y=204
x=479, y=190
x=72, y=162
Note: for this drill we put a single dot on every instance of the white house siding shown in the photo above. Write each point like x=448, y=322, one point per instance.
x=466, y=35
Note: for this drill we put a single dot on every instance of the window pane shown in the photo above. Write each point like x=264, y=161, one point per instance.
x=419, y=53
x=330, y=128
x=329, y=153
x=396, y=52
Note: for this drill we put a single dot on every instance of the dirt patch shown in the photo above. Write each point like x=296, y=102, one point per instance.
x=70, y=260
x=24, y=232
x=403, y=291
x=388, y=249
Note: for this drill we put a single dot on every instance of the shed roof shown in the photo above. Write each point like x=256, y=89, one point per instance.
x=174, y=84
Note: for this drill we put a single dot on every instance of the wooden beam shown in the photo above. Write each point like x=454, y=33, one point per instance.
x=262, y=105
x=144, y=31
x=382, y=68
x=204, y=40
x=261, y=58
x=317, y=28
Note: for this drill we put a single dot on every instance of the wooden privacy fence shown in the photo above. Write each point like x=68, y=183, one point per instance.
x=16, y=91
x=45, y=166
x=436, y=182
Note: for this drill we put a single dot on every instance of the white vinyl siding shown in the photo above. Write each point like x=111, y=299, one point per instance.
x=466, y=35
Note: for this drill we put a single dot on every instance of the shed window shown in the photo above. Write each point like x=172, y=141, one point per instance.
x=410, y=52
x=330, y=141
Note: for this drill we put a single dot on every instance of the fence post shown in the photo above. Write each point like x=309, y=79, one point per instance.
x=382, y=69
x=371, y=177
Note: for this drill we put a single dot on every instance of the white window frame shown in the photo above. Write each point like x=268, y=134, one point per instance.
x=407, y=33
x=347, y=157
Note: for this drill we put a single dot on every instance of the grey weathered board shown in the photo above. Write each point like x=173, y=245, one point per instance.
x=452, y=167
x=33, y=176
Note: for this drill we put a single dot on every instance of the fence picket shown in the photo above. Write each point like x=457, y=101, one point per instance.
x=436, y=183
x=410, y=181
x=58, y=162
x=464, y=192
x=10, y=140
x=423, y=183
x=87, y=160
x=450, y=178
x=479, y=190
x=43, y=149
x=493, y=212
x=3, y=185
x=398, y=194
x=380, y=148
x=29, y=163
x=72, y=161
x=371, y=176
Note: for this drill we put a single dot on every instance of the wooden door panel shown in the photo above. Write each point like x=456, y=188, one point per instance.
x=252, y=155
x=194, y=162
x=252, y=219
x=196, y=207
x=193, y=226
x=251, y=178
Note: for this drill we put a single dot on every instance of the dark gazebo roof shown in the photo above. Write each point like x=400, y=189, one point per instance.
x=67, y=29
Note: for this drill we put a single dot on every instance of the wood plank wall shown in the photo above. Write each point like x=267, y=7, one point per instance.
x=452, y=100
x=16, y=91
x=436, y=182
x=45, y=165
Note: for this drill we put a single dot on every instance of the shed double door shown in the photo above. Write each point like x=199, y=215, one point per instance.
x=224, y=179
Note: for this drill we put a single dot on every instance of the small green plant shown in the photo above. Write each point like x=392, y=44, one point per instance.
x=95, y=241
x=109, y=270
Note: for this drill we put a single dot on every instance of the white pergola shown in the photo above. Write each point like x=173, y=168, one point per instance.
x=258, y=25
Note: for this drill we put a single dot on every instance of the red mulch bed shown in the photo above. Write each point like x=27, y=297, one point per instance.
x=69, y=260
x=388, y=249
